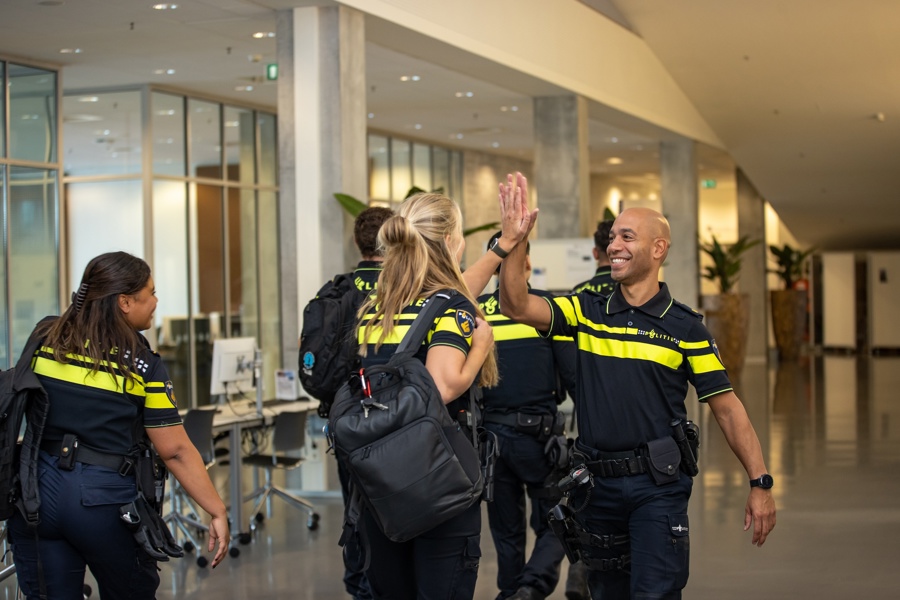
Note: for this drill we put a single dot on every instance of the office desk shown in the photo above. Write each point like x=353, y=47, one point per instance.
x=234, y=417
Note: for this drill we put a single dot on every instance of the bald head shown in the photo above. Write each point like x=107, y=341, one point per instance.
x=652, y=222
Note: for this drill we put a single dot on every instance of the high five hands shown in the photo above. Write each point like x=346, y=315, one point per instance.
x=515, y=217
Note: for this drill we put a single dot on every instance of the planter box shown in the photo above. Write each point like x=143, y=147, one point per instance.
x=727, y=316
x=789, y=320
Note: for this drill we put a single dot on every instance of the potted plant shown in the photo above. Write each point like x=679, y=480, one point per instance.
x=789, y=304
x=727, y=313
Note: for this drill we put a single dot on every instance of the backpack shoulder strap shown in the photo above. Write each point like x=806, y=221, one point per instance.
x=418, y=331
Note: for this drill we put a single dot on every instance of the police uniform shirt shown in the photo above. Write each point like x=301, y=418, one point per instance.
x=634, y=365
x=602, y=282
x=527, y=363
x=365, y=276
x=102, y=411
x=452, y=328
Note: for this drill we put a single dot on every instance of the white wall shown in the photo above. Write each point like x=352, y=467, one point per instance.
x=838, y=300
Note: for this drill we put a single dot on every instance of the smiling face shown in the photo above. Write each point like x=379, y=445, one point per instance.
x=639, y=242
x=139, y=308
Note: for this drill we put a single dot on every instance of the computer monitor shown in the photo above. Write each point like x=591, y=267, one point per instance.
x=232, y=365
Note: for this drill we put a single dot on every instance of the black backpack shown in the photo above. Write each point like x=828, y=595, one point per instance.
x=411, y=463
x=21, y=395
x=329, y=351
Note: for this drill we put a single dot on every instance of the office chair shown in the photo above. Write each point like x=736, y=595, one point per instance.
x=198, y=425
x=289, y=433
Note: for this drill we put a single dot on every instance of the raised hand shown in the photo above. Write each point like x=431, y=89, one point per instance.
x=515, y=218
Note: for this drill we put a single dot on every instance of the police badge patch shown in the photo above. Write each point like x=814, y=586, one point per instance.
x=466, y=323
x=170, y=393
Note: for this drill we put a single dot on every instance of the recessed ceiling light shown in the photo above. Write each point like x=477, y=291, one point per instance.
x=371, y=115
x=264, y=34
x=231, y=123
x=417, y=126
x=167, y=112
x=459, y=136
x=514, y=108
x=614, y=160
x=504, y=108
x=410, y=78
x=89, y=99
x=614, y=140
x=244, y=88
x=164, y=71
x=165, y=6
x=464, y=94
x=495, y=145
x=31, y=117
x=70, y=50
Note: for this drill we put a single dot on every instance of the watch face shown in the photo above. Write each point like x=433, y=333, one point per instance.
x=766, y=481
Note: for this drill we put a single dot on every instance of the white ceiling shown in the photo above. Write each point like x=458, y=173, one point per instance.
x=791, y=88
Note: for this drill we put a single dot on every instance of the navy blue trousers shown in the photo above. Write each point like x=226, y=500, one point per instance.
x=355, y=581
x=522, y=465
x=79, y=528
x=441, y=564
x=656, y=521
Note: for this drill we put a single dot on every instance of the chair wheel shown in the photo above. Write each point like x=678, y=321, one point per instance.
x=188, y=546
x=259, y=517
x=234, y=552
x=244, y=539
x=202, y=561
x=312, y=523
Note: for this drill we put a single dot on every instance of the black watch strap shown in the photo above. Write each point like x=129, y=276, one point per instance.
x=764, y=481
x=496, y=249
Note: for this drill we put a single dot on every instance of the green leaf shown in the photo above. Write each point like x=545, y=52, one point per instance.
x=351, y=204
x=485, y=227
x=608, y=215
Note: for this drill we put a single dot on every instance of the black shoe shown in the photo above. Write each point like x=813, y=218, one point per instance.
x=576, y=583
x=526, y=593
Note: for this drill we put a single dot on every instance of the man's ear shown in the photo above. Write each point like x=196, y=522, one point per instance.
x=660, y=248
x=596, y=252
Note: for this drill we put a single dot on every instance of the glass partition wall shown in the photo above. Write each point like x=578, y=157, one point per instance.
x=189, y=185
x=29, y=203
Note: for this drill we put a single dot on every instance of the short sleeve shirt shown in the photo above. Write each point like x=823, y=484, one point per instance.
x=526, y=361
x=602, y=282
x=101, y=408
x=634, y=365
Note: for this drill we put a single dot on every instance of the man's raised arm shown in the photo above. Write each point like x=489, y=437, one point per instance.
x=515, y=301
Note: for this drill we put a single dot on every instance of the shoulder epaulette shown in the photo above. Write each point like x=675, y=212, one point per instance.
x=687, y=309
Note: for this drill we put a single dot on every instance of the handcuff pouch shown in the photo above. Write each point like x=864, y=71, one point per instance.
x=664, y=458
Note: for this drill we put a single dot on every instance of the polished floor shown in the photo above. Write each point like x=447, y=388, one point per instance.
x=830, y=429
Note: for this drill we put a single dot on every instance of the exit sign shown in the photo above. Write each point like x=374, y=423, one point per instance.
x=272, y=72
x=708, y=184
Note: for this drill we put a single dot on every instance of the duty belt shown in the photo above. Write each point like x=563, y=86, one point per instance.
x=117, y=462
x=618, y=464
x=512, y=419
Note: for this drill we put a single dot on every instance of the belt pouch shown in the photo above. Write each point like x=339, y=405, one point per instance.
x=528, y=424
x=664, y=458
x=68, y=449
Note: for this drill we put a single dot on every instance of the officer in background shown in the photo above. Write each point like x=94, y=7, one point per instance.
x=522, y=412
x=365, y=277
x=602, y=281
x=638, y=350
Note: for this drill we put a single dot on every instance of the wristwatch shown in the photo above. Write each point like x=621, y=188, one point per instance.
x=764, y=481
x=496, y=249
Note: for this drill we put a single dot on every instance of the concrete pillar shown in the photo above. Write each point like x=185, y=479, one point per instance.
x=752, y=223
x=561, y=178
x=679, y=194
x=322, y=150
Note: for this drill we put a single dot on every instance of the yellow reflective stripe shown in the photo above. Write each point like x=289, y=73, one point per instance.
x=514, y=331
x=78, y=375
x=395, y=337
x=157, y=399
x=570, y=312
x=562, y=338
x=631, y=350
x=694, y=345
x=498, y=317
x=705, y=363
